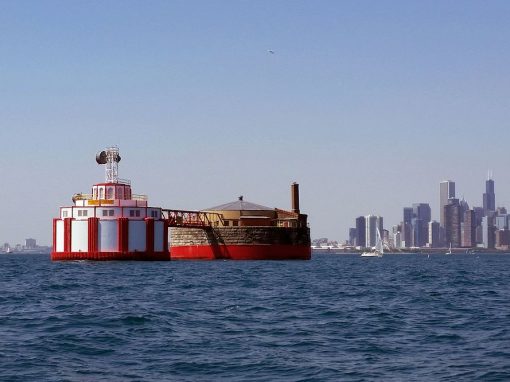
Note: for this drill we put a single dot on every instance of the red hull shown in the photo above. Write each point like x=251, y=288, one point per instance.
x=241, y=252
x=109, y=256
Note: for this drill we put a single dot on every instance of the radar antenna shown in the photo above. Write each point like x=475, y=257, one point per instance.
x=111, y=158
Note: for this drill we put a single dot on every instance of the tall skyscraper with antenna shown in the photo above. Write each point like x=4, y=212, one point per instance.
x=489, y=197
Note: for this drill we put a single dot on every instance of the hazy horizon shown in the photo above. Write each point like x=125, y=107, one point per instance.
x=367, y=105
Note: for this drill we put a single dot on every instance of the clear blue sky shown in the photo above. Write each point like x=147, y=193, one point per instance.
x=367, y=104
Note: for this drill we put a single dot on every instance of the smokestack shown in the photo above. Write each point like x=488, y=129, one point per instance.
x=294, y=194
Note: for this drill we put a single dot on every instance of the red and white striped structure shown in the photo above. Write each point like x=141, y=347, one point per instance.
x=111, y=223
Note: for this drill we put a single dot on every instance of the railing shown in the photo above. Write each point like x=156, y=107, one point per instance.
x=182, y=218
x=81, y=196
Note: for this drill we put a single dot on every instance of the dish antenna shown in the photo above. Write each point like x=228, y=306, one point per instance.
x=110, y=158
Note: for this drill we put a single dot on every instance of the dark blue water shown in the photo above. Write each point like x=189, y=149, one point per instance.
x=337, y=317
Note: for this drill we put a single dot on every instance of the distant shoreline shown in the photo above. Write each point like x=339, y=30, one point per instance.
x=425, y=251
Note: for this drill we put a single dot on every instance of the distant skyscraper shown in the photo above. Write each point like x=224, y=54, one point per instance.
x=501, y=222
x=421, y=219
x=433, y=234
x=503, y=239
x=30, y=243
x=406, y=231
x=489, y=197
x=406, y=235
x=372, y=223
x=446, y=191
x=352, y=236
x=397, y=243
x=488, y=231
x=370, y=230
x=464, y=206
x=380, y=225
x=469, y=229
x=360, y=232
x=452, y=223
x=478, y=215
x=408, y=215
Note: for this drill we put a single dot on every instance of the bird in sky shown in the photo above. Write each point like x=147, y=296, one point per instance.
x=271, y=51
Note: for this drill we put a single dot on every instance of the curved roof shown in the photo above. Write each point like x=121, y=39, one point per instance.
x=240, y=205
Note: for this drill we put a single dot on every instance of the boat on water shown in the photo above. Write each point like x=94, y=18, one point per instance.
x=378, y=250
x=449, y=250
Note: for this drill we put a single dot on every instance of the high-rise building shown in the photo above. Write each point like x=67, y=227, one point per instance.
x=446, y=192
x=503, y=239
x=370, y=230
x=406, y=235
x=489, y=197
x=380, y=225
x=501, y=221
x=479, y=234
x=452, y=221
x=478, y=215
x=420, y=222
x=408, y=215
x=30, y=243
x=360, y=232
x=397, y=243
x=464, y=206
x=488, y=231
x=352, y=236
x=433, y=234
x=406, y=231
x=469, y=229
x=418, y=231
x=372, y=223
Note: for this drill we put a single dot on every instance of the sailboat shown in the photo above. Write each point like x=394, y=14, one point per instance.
x=378, y=250
x=450, y=250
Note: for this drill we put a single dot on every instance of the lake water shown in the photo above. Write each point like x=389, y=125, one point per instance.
x=336, y=317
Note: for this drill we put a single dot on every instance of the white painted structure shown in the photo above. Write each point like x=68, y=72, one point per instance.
x=111, y=223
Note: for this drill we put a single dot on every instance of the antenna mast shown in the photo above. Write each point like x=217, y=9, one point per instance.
x=111, y=158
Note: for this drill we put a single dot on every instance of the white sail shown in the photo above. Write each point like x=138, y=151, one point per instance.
x=379, y=246
x=378, y=250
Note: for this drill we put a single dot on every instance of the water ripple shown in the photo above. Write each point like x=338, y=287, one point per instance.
x=400, y=318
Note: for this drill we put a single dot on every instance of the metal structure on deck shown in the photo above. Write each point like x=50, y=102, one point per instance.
x=192, y=219
x=110, y=158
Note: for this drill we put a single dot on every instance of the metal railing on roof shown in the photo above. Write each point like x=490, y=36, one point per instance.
x=182, y=218
x=82, y=196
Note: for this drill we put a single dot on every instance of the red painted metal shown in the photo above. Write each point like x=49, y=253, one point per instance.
x=123, y=235
x=55, y=234
x=241, y=252
x=67, y=234
x=165, y=235
x=93, y=234
x=109, y=256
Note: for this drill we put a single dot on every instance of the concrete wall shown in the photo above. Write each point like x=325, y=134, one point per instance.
x=238, y=235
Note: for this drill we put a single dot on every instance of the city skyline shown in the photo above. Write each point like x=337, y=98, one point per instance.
x=366, y=105
x=461, y=225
